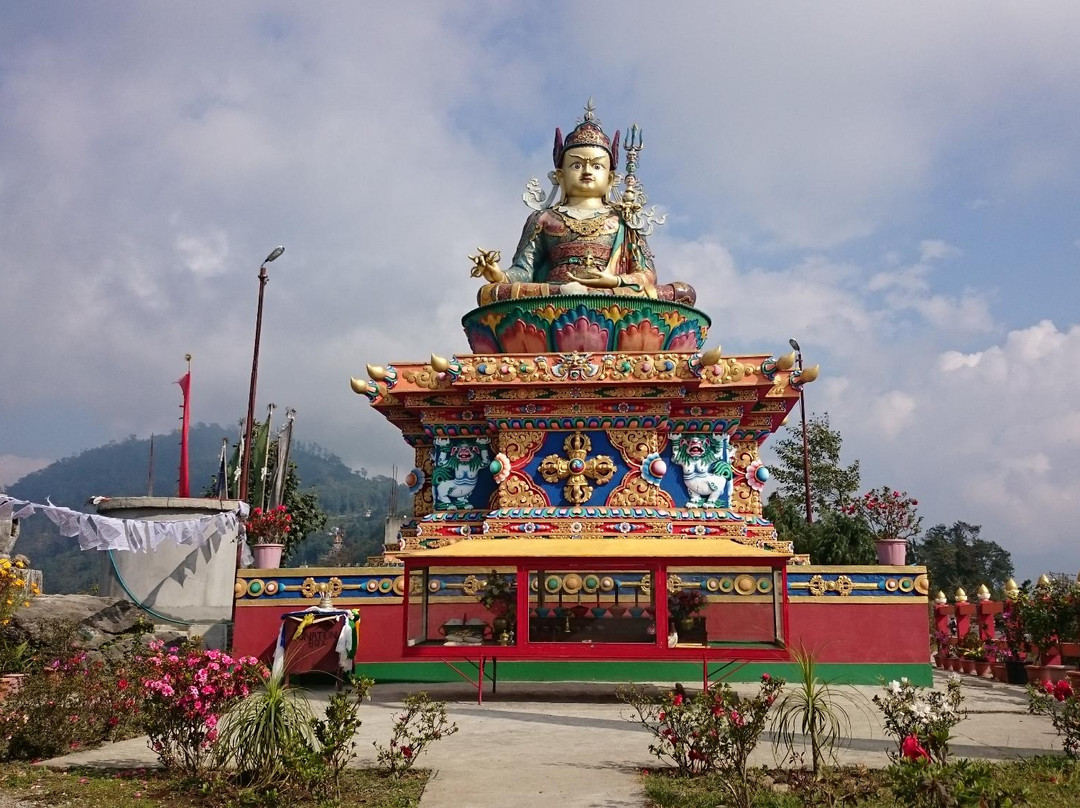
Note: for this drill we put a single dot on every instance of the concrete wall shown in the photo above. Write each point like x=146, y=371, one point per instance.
x=194, y=585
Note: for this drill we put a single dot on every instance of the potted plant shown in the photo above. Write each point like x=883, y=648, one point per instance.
x=1012, y=646
x=892, y=519
x=16, y=592
x=975, y=653
x=499, y=597
x=1049, y=619
x=683, y=606
x=269, y=531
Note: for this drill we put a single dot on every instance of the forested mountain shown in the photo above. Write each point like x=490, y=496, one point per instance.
x=353, y=501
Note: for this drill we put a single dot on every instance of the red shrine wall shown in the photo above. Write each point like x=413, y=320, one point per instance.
x=845, y=632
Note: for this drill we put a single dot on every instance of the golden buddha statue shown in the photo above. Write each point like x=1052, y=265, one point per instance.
x=586, y=243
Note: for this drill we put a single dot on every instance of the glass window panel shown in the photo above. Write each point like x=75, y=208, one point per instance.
x=604, y=606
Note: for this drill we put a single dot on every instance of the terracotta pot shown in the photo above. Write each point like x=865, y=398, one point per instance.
x=939, y=660
x=891, y=552
x=1054, y=673
x=1051, y=655
x=956, y=664
x=968, y=666
x=1074, y=678
x=1000, y=673
x=982, y=669
x=267, y=556
x=1034, y=674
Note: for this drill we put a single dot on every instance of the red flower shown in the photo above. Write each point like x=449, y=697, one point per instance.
x=912, y=750
x=677, y=700
x=406, y=751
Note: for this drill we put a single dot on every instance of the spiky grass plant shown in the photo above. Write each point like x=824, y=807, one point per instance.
x=258, y=732
x=811, y=709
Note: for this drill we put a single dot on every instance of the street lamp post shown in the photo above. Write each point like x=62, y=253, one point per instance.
x=805, y=443
x=246, y=460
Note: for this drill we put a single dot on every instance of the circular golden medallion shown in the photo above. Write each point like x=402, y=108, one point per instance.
x=906, y=584
x=891, y=584
x=712, y=584
x=399, y=585
x=572, y=583
x=726, y=584
x=553, y=583
x=745, y=584
x=764, y=585
x=922, y=585
x=372, y=585
x=434, y=585
x=607, y=583
x=271, y=587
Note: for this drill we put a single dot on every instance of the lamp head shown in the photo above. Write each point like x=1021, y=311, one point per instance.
x=276, y=254
x=792, y=342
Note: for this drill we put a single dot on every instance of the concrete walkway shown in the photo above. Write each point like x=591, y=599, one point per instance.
x=567, y=744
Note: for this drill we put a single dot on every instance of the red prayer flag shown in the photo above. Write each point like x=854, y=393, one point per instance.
x=185, y=387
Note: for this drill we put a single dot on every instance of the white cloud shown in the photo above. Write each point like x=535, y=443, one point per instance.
x=817, y=162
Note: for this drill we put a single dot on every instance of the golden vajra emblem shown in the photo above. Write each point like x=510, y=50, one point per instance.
x=576, y=469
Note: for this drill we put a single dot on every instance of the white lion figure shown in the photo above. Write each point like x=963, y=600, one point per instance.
x=456, y=469
x=707, y=472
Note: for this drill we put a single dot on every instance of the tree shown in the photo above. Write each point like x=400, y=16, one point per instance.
x=834, y=538
x=832, y=485
x=956, y=557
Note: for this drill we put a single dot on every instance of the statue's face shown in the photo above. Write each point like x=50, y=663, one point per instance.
x=585, y=172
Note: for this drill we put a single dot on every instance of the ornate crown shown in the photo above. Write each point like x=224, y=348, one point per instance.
x=587, y=133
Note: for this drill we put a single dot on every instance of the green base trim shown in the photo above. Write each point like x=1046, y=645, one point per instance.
x=839, y=673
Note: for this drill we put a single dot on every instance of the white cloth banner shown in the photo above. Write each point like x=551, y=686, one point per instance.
x=96, y=532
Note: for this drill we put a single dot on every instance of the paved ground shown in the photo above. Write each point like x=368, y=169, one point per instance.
x=566, y=744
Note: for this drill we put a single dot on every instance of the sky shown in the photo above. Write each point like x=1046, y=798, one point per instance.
x=893, y=184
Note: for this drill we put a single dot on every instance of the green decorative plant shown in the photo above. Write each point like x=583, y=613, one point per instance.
x=813, y=710
x=498, y=596
x=420, y=724
x=973, y=647
x=256, y=735
x=316, y=763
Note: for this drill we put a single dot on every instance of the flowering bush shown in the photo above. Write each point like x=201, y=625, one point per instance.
x=920, y=720
x=1048, y=613
x=422, y=722
x=685, y=604
x=66, y=704
x=714, y=729
x=16, y=590
x=888, y=514
x=1013, y=643
x=270, y=526
x=1059, y=701
x=186, y=692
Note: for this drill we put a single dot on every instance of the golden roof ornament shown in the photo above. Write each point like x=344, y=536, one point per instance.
x=1011, y=589
x=983, y=594
x=940, y=598
x=961, y=595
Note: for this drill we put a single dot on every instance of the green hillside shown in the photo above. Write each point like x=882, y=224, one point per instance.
x=352, y=500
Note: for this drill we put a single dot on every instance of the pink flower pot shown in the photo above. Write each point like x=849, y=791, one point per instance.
x=267, y=556
x=891, y=552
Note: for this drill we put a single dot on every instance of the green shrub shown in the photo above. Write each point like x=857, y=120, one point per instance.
x=420, y=724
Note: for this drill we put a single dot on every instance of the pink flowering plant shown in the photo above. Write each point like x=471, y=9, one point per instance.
x=186, y=692
x=711, y=730
x=71, y=703
x=270, y=526
x=920, y=720
x=1059, y=701
x=887, y=513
